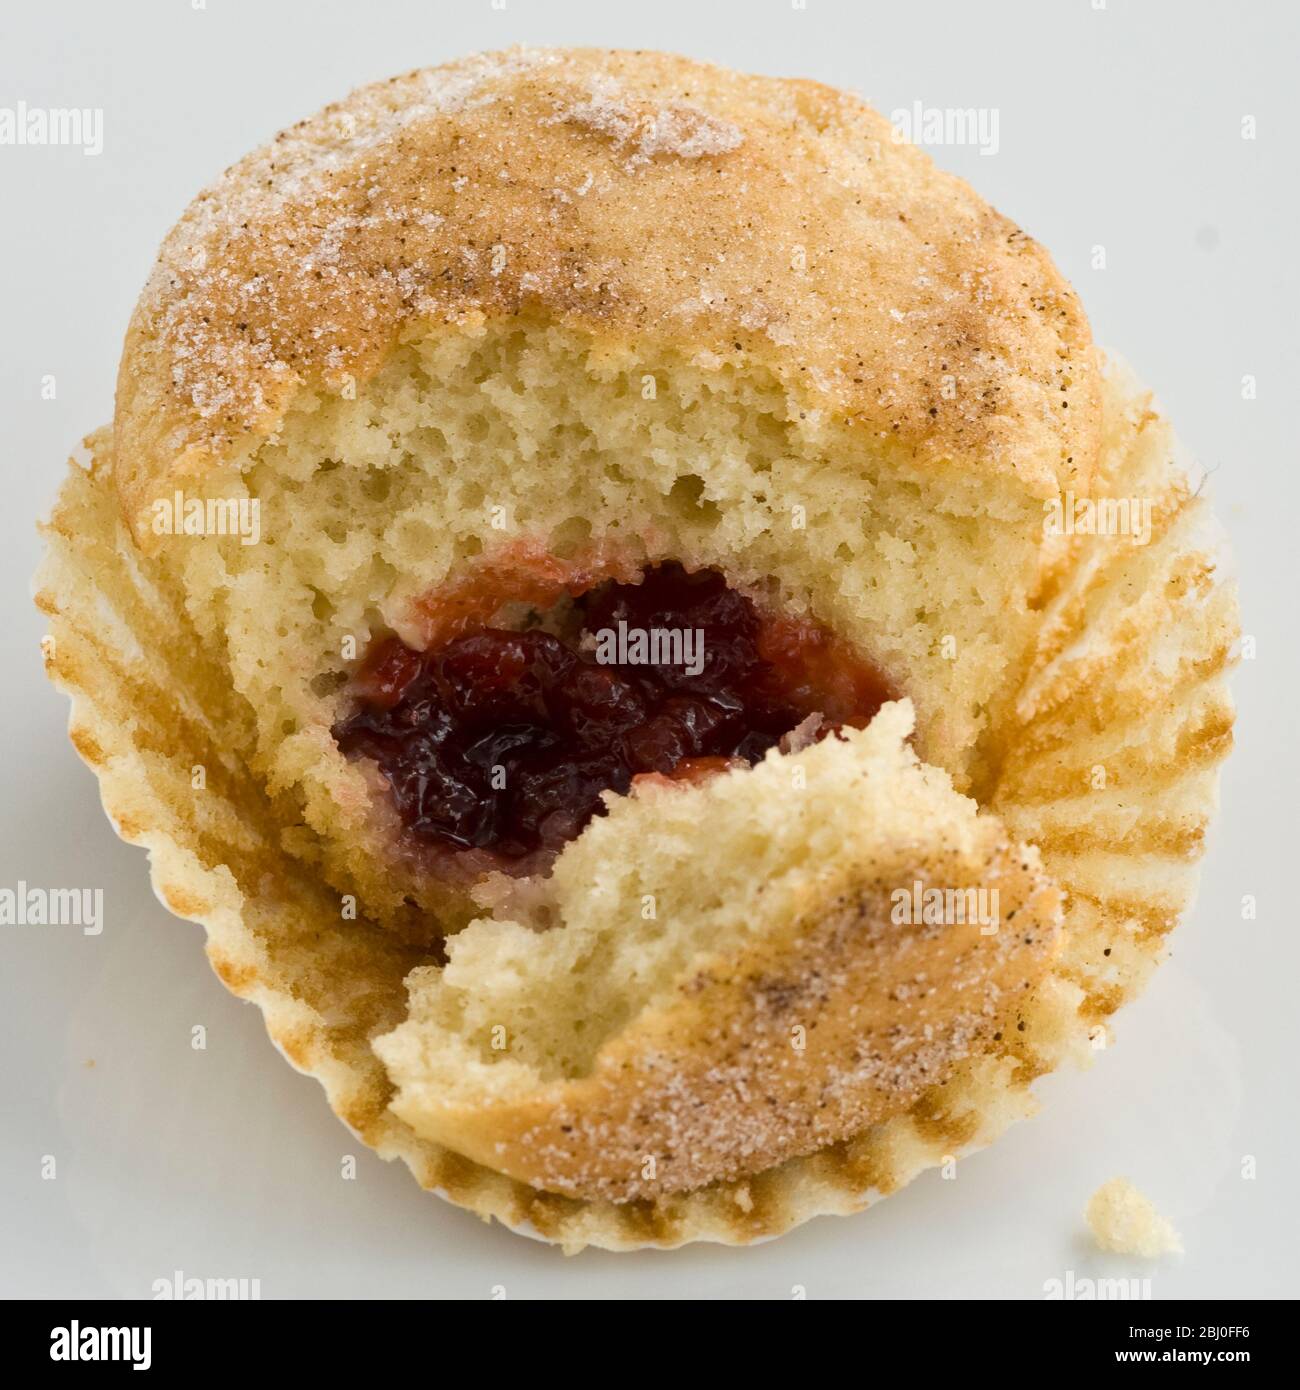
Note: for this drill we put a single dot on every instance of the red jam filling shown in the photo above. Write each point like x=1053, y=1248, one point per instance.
x=504, y=741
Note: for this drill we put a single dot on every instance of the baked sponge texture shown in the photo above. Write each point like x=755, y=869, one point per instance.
x=520, y=457
x=611, y=308
x=717, y=977
x=1127, y=676
x=533, y=319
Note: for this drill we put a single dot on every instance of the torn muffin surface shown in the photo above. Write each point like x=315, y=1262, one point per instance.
x=725, y=975
x=539, y=330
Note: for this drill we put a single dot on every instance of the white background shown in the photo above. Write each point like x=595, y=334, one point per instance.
x=1119, y=128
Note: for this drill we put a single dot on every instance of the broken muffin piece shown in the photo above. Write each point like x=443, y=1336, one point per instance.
x=720, y=976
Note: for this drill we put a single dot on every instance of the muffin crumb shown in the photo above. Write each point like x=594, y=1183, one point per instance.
x=1125, y=1222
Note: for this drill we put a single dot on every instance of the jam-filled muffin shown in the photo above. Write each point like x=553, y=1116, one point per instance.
x=632, y=609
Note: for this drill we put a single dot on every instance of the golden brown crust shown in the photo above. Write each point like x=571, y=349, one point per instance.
x=839, y=1019
x=775, y=224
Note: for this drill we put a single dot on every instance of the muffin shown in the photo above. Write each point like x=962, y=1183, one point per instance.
x=632, y=609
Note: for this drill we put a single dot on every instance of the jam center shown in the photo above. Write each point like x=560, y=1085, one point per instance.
x=504, y=740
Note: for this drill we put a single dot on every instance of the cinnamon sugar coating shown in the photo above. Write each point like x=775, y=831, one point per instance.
x=639, y=196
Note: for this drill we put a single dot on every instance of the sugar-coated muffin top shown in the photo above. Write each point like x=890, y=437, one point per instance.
x=753, y=223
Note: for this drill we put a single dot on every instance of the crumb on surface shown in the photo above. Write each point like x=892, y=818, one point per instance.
x=1124, y=1221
